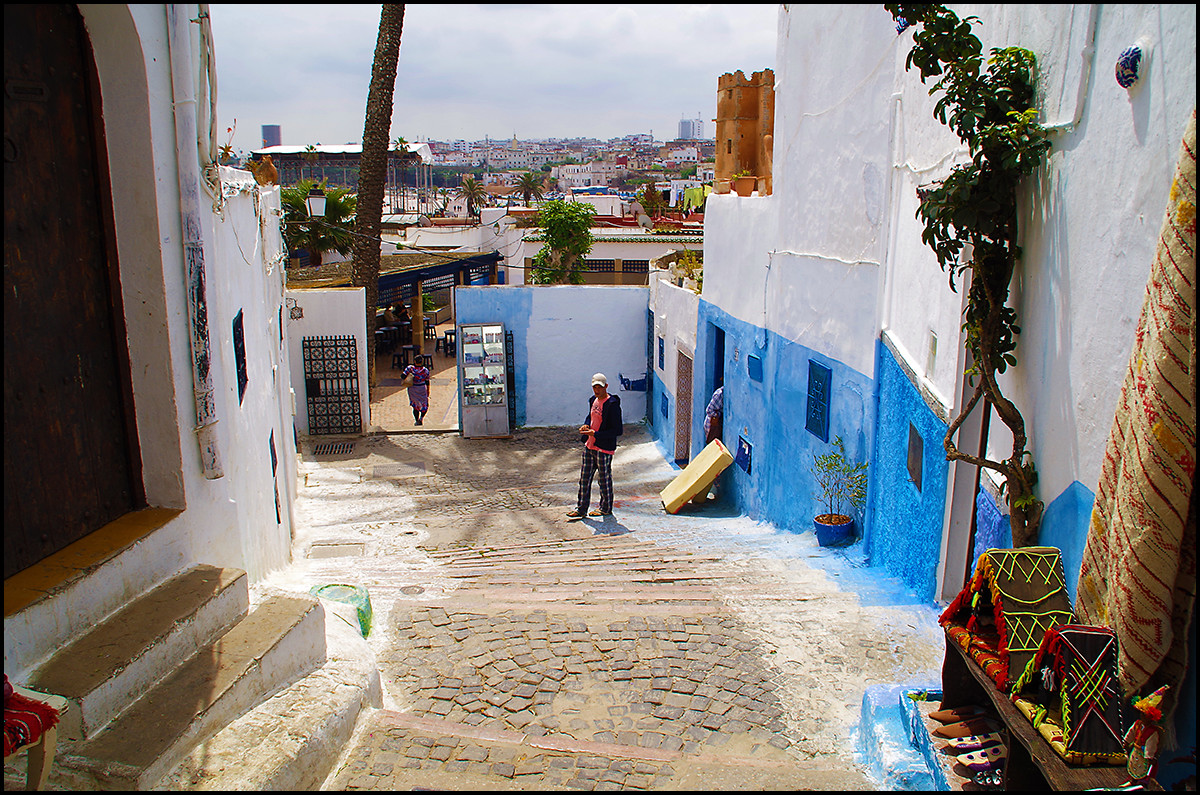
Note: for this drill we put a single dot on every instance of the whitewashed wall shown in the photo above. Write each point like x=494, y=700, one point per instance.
x=575, y=332
x=1090, y=221
x=675, y=318
x=561, y=336
x=834, y=259
x=335, y=311
x=228, y=520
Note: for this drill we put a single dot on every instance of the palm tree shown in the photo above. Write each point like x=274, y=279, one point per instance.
x=399, y=146
x=473, y=191
x=331, y=233
x=531, y=186
x=373, y=163
x=310, y=156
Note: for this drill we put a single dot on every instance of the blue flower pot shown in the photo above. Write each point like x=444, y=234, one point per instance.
x=834, y=530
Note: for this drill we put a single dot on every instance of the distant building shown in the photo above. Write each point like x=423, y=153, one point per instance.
x=335, y=164
x=691, y=129
x=271, y=135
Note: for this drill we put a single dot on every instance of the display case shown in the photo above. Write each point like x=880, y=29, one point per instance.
x=483, y=380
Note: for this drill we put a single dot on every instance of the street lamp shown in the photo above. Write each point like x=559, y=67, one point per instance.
x=316, y=202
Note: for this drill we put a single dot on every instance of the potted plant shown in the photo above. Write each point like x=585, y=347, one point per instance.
x=842, y=485
x=744, y=183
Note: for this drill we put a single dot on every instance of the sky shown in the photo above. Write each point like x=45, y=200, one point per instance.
x=467, y=72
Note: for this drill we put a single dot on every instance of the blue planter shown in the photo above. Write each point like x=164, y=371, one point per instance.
x=834, y=535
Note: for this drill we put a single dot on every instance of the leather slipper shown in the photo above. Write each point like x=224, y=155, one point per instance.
x=973, y=742
x=958, y=714
x=984, y=759
x=967, y=727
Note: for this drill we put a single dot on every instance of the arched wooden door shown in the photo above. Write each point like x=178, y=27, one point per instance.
x=71, y=462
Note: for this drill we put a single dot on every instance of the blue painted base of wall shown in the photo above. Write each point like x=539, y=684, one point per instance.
x=905, y=534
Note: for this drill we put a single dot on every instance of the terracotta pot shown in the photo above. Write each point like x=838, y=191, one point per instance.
x=745, y=185
x=834, y=530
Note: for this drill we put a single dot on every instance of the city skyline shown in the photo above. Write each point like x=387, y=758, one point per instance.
x=536, y=72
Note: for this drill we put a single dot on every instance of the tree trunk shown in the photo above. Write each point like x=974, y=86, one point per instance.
x=373, y=167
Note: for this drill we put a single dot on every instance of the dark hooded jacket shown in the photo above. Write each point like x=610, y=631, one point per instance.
x=610, y=423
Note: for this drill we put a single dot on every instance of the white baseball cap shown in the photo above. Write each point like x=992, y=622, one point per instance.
x=599, y=378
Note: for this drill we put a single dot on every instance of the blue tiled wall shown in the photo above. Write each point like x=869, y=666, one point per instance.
x=906, y=530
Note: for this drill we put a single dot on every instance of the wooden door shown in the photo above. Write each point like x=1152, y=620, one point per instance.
x=71, y=463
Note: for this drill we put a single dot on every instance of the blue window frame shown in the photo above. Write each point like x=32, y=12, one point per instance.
x=239, y=355
x=754, y=368
x=816, y=418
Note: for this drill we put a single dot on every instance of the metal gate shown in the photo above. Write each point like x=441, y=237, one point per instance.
x=331, y=385
x=683, y=408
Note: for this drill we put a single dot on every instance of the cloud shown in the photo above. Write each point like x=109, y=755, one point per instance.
x=469, y=71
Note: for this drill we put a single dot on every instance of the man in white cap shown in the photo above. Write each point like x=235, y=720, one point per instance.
x=599, y=431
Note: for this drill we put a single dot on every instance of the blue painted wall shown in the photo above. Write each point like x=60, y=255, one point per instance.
x=513, y=308
x=906, y=532
x=992, y=530
x=1065, y=524
x=769, y=414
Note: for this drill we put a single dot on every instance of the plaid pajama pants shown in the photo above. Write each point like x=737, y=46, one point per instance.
x=593, y=461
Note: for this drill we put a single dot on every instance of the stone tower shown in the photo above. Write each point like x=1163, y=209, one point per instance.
x=745, y=125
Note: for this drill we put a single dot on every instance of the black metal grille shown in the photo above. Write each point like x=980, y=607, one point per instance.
x=331, y=385
x=333, y=448
x=509, y=363
x=635, y=266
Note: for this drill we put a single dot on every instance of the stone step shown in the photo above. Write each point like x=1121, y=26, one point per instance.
x=106, y=670
x=280, y=641
x=577, y=574
x=624, y=560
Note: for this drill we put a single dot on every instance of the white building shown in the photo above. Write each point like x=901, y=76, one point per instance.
x=827, y=282
x=204, y=424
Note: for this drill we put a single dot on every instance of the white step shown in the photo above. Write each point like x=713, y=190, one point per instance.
x=107, y=669
x=280, y=641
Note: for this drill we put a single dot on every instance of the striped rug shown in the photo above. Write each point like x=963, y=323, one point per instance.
x=1139, y=566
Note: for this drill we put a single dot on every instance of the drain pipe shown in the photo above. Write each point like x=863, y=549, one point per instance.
x=186, y=142
x=1086, y=56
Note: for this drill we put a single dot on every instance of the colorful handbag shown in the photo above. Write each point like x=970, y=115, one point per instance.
x=1071, y=694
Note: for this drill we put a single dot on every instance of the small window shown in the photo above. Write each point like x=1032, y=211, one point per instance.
x=754, y=368
x=662, y=354
x=663, y=405
x=239, y=353
x=743, y=455
x=816, y=419
x=916, y=456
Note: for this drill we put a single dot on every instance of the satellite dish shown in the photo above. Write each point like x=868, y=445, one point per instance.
x=637, y=209
x=424, y=221
x=645, y=222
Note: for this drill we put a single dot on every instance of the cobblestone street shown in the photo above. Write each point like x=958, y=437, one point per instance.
x=518, y=650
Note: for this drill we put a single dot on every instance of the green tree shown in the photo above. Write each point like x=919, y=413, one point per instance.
x=531, y=185
x=567, y=231
x=373, y=163
x=652, y=200
x=973, y=212
x=473, y=191
x=334, y=232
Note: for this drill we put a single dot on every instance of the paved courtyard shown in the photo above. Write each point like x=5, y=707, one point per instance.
x=518, y=650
